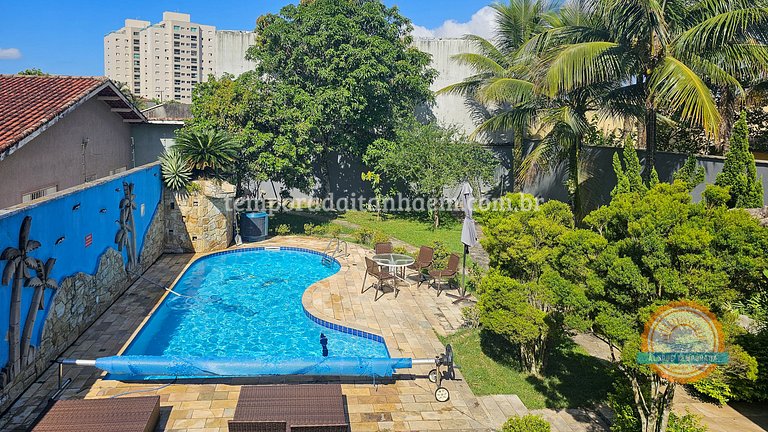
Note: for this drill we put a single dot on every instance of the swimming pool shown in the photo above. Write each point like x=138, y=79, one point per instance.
x=247, y=304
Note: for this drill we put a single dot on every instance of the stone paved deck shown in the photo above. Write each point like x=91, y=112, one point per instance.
x=408, y=323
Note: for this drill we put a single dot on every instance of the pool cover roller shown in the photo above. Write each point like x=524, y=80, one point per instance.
x=137, y=365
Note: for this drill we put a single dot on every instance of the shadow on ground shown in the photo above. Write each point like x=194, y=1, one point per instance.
x=571, y=377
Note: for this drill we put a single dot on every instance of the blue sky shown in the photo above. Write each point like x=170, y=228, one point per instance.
x=66, y=37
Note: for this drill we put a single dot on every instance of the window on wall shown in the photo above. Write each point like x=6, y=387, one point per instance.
x=39, y=194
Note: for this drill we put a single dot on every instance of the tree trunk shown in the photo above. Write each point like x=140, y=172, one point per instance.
x=436, y=215
x=727, y=108
x=325, y=170
x=650, y=144
x=573, y=177
x=14, y=341
x=29, y=325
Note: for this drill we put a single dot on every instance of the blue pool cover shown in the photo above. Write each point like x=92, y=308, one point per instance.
x=169, y=366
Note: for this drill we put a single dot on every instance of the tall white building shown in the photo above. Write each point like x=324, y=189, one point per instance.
x=164, y=61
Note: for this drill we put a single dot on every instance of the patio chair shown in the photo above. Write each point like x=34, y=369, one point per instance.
x=441, y=276
x=375, y=271
x=383, y=248
x=130, y=414
x=423, y=261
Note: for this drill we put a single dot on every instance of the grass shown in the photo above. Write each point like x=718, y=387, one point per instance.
x=572, y=377
x=413, y=228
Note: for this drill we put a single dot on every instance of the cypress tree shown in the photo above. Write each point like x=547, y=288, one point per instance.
x=739, y=171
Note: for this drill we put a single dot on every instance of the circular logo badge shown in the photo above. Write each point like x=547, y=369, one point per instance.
x=683, y=342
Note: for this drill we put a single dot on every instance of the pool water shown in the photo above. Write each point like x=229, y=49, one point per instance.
x=247, y=304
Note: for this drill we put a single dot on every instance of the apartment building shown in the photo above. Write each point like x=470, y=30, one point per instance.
x=162, y=61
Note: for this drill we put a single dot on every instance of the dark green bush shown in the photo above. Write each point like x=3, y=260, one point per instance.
x=685, y=423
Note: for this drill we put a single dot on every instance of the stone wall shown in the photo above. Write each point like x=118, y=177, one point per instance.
x=199, y=221
x=79, y=301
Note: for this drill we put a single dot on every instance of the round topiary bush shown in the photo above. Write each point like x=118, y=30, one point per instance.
x=528, y=423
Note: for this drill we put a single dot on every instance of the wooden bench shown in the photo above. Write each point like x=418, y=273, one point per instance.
x=298, y=408
x=130, y=414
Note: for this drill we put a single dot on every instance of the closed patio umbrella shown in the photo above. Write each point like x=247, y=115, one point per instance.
x=468, y=235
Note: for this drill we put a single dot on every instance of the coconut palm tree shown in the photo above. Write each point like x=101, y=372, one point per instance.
x=126, y=234
x=210, y=153
x=40, y=283
x=502, y=79
x=17, y=270
x=508, y=78
x=662, y=58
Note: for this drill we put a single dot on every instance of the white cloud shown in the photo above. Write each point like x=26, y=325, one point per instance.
x=482, y=23
x=10, y=54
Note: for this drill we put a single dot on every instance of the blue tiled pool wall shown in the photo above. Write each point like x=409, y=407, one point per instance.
x=61, y=224
x=319, y=321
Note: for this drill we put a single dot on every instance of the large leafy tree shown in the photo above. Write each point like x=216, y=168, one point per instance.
x=267, y=121
x=429, y=158
x=349, y=67
x=524, y=298
x=660, y=248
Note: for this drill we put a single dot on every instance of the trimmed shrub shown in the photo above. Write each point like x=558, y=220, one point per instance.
x=363, y=236
x=685, y=423
x=379, y=237
x=527, y=423
x=717, y=196
x=283, y=229
x=739, y=171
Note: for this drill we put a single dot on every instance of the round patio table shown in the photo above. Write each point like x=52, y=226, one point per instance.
x=396, y=262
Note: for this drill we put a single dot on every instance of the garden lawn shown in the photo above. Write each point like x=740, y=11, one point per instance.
x=572, y=378
x=412, y=228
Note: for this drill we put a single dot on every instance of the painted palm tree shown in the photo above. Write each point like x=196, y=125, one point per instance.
x=40, y=283
x=17, y=271
x=210, y=153
x=660, y=58
x=126, y=234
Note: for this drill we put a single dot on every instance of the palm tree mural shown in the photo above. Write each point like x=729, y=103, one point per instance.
x=39, y=283
x=126, y=235
x=17, y=270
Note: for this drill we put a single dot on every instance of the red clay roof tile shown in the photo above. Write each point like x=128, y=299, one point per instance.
x=28, y=102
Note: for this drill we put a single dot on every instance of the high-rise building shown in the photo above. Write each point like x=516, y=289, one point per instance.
x=164, y=61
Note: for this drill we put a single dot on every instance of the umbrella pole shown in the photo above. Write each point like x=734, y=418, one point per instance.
x=463, y=289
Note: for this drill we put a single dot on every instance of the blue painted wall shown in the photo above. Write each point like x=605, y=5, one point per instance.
x=58, y=217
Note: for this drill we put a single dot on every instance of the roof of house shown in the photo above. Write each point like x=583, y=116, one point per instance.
x=31, y=104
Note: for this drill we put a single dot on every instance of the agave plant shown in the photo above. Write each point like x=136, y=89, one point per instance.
x=40, y=283
x=176, y=170
x=210, y=153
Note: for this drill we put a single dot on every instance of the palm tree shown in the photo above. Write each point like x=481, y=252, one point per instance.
x=126, y=234
x=40, y=283
x=661, y=58
x=210, y=153
x=17, y=270
x=502, y=79
x=508, y=77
